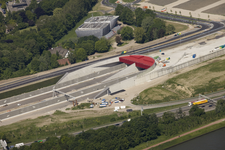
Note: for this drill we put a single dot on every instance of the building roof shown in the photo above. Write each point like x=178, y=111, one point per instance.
x=100, y=19
x=92, y=26
x=60, y=50
x=64, y=61
x=140, y=61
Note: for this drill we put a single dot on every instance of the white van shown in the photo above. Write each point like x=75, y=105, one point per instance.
x=19, y=144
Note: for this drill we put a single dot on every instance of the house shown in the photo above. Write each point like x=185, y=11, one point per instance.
x=64, y=61
x=62, y=52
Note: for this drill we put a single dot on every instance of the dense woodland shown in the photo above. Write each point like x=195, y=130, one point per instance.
x=148, y=26
x=130, y=134
x=24, y=52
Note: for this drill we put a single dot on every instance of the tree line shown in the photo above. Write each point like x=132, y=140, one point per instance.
x=22, y=51
x=130, y=134
x=148, y=27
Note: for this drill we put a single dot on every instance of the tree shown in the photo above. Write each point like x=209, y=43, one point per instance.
x=102, y=45
x=54, y=62
x=127, y=33
x=39, y=12
x=3, y=6
x=146, y=23
x=170, y=29
x=119, y=10
x=57, y=11
x=81, y=55
x=220, y=106
x=72, y=57
x=155, y=33
x=180, y=113
x=35, y=63
x=168, y=117
x=139, y=34
x=196, y=111
x=127, y=16
x=30, y=15
x=118, y=39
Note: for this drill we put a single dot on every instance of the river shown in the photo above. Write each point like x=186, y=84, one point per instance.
x=212, y=141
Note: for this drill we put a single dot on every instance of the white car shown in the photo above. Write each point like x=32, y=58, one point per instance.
x=18, y=104
x=216, y=48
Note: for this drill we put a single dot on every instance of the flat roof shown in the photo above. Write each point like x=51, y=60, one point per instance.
x=100, y=19
x=92, y=26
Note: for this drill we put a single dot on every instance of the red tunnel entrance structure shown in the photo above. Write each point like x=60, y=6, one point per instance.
x=140, y=61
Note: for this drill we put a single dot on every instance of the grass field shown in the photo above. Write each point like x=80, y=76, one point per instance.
x=112, y=1
x=72, y=34
x=186, y=85
x=67, y=122
x=178, y=27
x=128, y=1
x=29, y=88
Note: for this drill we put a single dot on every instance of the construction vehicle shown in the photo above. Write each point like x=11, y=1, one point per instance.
x=198, y=102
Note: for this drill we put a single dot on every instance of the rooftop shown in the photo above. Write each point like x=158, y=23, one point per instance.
x=100, y=19
x=92, y=26
x=141, y=61
x=60, y=50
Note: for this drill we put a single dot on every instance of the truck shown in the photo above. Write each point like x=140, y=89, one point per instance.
x=102, y=105
x=198, y=102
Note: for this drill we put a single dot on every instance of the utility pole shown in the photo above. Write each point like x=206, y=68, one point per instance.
x=141, y=110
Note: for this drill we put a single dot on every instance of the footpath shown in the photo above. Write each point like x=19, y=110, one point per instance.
x=213, y=123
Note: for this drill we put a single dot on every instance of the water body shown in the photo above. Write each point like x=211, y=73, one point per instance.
x=211, y=141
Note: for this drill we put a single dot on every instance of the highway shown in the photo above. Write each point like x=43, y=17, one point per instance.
x=170, y=42
x=47, y=95
x=206, y=107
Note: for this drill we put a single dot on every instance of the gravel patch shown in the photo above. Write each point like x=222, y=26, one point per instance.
x=218, y=10
x=195, y=4
x=161, y=2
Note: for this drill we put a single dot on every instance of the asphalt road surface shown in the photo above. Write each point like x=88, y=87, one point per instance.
x=206, y=106
x=216, y=27
x=65, y=90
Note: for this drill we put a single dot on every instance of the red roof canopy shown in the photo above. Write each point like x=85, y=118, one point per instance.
x=140, y=61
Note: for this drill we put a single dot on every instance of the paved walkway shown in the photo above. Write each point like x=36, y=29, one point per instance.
x=216, y=122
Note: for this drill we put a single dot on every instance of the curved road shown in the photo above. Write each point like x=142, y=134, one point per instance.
x=174, y=41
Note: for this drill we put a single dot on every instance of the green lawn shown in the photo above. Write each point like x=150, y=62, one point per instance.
x=72, y=34
x=128, y=1
x=29, y=88
x=112, y=1
x=178, y=27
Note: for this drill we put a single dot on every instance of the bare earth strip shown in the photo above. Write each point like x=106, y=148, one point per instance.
x=195, y=4
x=219, y=10
x=216, y=122
x=161, y=2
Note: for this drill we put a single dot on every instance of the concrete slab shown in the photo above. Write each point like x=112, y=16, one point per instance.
x=99, y=66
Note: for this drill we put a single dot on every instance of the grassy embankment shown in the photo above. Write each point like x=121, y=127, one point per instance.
x=60, y=123
x=178, y=27
x=186, y=85
x=29, y=88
